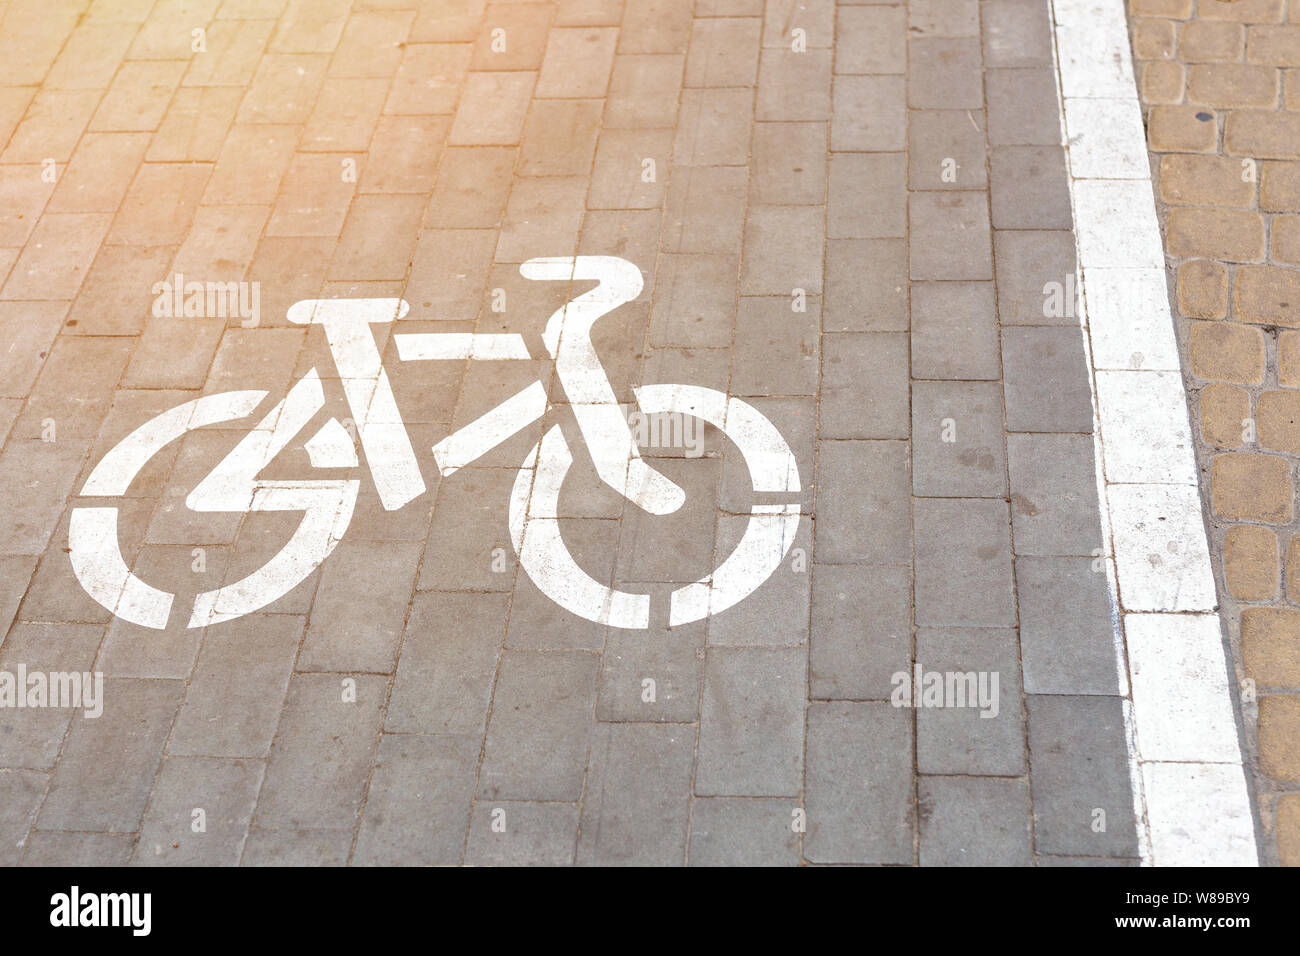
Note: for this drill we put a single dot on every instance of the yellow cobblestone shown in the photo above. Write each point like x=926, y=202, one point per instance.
x=1279, y=738
x=1270, y=640
x=1223, y=413
x=1268, y=295
x=1249, y=487
x=1250, y=562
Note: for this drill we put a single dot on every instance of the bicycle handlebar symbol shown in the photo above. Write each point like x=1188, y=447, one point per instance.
x=534, y=518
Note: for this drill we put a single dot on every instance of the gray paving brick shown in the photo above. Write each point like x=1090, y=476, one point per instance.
x=378, y=237
x=40, y=323
x=963, y=563
x=949, y=236
x=741, y=831
x=1023, y=107
x=428, y=79
x=672, y=658
x=783, y=250
x=15, y=576
x=472, y=186
x=860, y=488
x=864, y=388
x=537, y=622
x=354, y=625
x=636, y=806
x=1016, y=33
x=492, y=108
x=946, y=149
x=867, y=196
x=861, y=630
x=974, y=821
x=297, y=848
x=793, y=86
x=1047, y=386
x=578, y=62
x=21, y=792
x=694, y=300
x=534, y=834
x=448, y=275
x=961, y=739
x=55, y=848
x=238, y=688
x=1074, y=770
x=560, y=138
x=869, y=113
x=957, y=441
x=777, y=613
x=39, y=475
x=74, y=389
x=323, y=753
x=954, y=331
x=1029, y=188
x=871, y=39
x=776, y=347
x=944, y=18
x=705, y=210
x=630, y=168
x=866, y=286
x=465, y=532
x=1053, y=503
x=448, y=661
x=656, y=26
x=714, y=126
x=1066, y=637
x=542, y=214
x=815, y=17
x=537, y=739
x=1026, y=262
x=859, y=784
x=751, y=722
x=224, y=790
x=944, y=73
x=643, y=91
x=418, y=803
x=723, y=52
x=107, y=765
x=789, y=163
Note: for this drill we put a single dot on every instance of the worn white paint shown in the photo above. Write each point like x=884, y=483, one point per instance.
x=1190, y=791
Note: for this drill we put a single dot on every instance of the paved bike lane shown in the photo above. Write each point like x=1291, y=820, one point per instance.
x=855, y=218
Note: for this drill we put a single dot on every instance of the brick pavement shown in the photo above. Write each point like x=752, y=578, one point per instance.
x=1220, y=90
x=848, y=215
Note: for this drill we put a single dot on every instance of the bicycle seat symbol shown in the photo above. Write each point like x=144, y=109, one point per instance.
x=534, y=522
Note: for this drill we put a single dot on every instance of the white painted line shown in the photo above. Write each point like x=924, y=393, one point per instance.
x=1190, y=789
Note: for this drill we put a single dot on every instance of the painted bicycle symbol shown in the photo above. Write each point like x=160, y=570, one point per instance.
x=327, y=504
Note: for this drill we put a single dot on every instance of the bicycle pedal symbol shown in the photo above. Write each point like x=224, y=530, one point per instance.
x=534, y=520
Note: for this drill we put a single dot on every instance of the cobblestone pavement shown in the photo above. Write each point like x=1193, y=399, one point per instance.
x=1220, y=88
x=853, y=217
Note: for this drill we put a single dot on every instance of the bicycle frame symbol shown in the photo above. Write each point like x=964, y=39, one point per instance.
x=327, y=504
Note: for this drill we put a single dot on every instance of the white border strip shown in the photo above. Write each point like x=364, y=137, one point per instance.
x=1190, y=794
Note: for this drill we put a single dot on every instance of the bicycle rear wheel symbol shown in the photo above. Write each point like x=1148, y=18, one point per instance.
x=327, y=504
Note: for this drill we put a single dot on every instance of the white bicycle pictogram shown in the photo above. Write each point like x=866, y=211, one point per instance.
x=534, y=517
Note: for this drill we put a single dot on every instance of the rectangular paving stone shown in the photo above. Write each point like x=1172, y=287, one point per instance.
x=107, y=765
x=517, y=833
x=672, y=658
x=74, y=390
x=862, y=490
x=951, y=739
x=866, y=286
x=864, y=387
x=949, y=236
x=723, y=52
x=704, y=210
x=492, y=109
x=946, y=149
x=944, y=73
x=31, y=737
x=1047, y=387
x=694, y=300
x=954, y=331
x=428, y=79
x=783, y=250
x=867, y=195
x=869, y=113
x=472, y=187
x=743, y=831
x=636, y=805
x=957, y=440
x=324, y=750
x=1053, y=503
x=643, y=91
x=377, y=238
x=1067, y=639
x=238, y=687
x=144, y=220
x=354, y=625
x=776, y=348
x=963, y=563
x=871, y=39
x=458, y=556
x=40, y=475
x=1074, y=770
x=55, y=848
x=777, y=613
x=100, y=172
x=542, y=214
x=1029, y=188
x=620, y=176
x=578, y=62
x=1023, y=107
x=225, y=790
x=297, y=848
x=21, y=792
x=57, y=256
x=1027, y=261
x=538, y=734
x=859, y=784
x=448, y=662
x=560, y=138
x=418, y=802
x=1017, y=33
x=974, y=821
x=714, y=127
x=793, y=86
x=861, y=631
x=789, y=163
x=751, y=722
